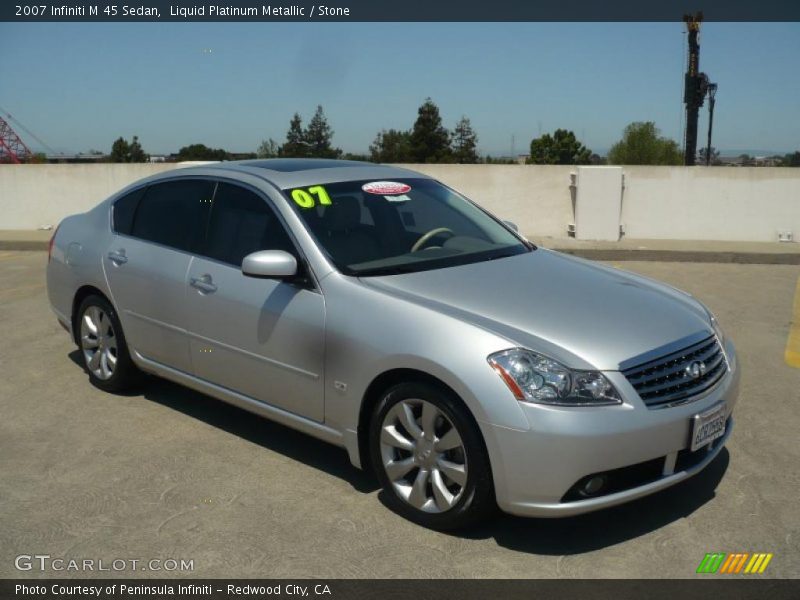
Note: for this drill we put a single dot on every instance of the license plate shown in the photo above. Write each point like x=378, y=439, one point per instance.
x=708, y=426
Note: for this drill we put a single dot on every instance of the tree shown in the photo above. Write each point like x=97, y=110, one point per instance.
x=356, y=156
x=701, y=156
x=746, y=160
x=499, y=161
x=391, y=146
x=201, y=152
x=318, y=136
x=124, y=152
x=561, y=148
x=268, y=149
x=430, y=141
x=464, y=142
x=295, y=145
x=791, y=160
x=120, y=150
x=642, y=144
x=137, y=155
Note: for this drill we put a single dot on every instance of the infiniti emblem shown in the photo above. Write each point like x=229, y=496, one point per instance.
x=695, y=370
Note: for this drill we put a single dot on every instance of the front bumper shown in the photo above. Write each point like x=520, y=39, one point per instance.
x=535, y=471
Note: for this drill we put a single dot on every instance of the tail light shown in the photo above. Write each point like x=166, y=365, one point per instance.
x=51, y=242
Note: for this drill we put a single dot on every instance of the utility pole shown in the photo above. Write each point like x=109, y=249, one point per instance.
x=694, y=89
x=712, y=92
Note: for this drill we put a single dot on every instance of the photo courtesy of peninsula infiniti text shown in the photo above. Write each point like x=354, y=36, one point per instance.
x=377, y=309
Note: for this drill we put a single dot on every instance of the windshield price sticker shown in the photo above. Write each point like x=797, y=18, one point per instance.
x=386, y=188
x=307, y=198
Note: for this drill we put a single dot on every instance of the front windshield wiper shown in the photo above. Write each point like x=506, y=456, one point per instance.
x=504, y=255
x=396, y=270
x=416, y=267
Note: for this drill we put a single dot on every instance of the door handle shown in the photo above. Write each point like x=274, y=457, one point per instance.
x=203, y=284
x=118, y=256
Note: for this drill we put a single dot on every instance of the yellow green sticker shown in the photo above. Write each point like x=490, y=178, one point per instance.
x=308, y=197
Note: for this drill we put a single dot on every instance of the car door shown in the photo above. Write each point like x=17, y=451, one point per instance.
x=260, y=337
x=146, y=264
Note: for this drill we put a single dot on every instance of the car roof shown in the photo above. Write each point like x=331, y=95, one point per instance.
x=296, y=172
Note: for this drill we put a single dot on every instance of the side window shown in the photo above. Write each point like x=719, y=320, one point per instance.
x=124, y=209
x=242, y=222
x=174, y=213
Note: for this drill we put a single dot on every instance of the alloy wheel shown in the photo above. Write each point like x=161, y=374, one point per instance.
x=423, y=456
x=98, y=342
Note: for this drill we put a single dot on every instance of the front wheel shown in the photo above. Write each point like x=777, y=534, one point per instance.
x=103, y=347
x=430, y=457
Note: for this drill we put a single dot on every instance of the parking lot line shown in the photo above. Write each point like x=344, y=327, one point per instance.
x=792, y=354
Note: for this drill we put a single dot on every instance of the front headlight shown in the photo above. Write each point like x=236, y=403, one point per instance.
x=532, y=377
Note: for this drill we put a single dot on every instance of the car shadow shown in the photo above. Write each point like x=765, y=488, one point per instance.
x=75, y=356
x=267, y=434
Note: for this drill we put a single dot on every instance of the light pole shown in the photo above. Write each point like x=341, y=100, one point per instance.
x=712, y=91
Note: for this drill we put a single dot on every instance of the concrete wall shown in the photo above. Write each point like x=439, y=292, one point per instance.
x=33, y=196
x=598, y=203
x=711, y=203
x=717, y=203
x=682, y=203
x=536, y=198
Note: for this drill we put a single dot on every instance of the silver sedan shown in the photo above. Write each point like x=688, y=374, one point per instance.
x=377, y=309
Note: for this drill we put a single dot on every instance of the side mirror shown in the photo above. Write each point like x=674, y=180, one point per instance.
x=275, y=264
x=511, y=225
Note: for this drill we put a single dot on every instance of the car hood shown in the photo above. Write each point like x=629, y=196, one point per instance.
x=584, y=314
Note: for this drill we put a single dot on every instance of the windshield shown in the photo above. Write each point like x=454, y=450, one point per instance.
x=386, y=227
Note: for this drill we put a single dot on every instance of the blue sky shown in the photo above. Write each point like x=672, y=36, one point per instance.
x=79, y=86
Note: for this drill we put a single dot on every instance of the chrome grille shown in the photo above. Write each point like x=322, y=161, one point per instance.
x=669, y=379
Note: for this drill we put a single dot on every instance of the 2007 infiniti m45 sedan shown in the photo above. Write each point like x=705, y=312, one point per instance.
x=377, y=309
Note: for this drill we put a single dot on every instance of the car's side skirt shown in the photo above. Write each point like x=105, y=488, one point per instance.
x=317, y=430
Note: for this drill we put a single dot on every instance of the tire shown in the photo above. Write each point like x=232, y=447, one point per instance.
x=430, y=475
x=104, y=351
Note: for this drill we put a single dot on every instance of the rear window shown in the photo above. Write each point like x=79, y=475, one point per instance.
x=124, y=209
x=174, y=213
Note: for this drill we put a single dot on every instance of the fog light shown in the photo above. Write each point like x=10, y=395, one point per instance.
x=593, y=486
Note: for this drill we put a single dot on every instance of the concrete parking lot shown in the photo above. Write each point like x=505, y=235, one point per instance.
x=168, y=473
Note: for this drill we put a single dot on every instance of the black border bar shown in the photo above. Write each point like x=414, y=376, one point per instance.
x=397, y=10
x=700, y=588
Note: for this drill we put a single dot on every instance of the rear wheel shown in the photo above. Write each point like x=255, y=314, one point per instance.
x=103, y=347
x=430, y=457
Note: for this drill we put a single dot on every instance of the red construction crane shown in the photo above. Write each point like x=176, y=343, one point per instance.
x=12, y=148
